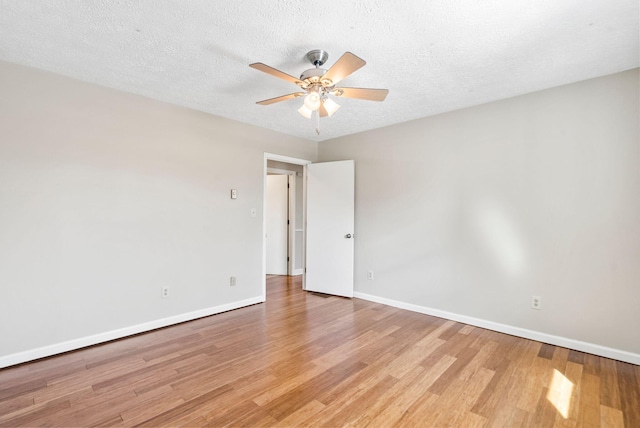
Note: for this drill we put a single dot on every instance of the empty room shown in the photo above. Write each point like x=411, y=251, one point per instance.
x=417, y=214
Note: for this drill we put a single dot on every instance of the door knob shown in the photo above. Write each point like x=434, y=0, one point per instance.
x=348, y=235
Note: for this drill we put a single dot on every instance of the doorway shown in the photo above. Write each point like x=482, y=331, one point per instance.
x=283, y=225
x=329, y=267
x=284, y=219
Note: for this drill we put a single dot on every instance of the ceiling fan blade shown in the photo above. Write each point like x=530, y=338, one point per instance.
x=323, y=111
x=274, y=72
x=280, y=98
x=361, y=93
x=346, y=64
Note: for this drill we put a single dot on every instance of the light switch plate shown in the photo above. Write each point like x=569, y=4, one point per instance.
x=234, y=194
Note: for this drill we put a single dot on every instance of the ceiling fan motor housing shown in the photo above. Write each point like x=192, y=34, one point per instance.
x=313, y=74
x=317, y=57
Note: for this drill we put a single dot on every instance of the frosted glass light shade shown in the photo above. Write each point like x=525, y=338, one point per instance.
x=312, y=101
x=330, y=106
x=305, y=111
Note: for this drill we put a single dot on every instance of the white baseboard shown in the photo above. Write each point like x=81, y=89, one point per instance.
x=564, y=342
x=47, y=351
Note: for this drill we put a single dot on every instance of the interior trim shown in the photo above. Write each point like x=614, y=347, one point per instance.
x=591, y=348
x=83, y=342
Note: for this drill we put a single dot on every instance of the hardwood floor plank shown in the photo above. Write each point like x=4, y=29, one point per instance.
x=472, y=420
x=520, y=383
x=305, y=360
x=629, y=394
x=298, y=397
x=591, y=364
x=452, y=331
x=390, y=406
x=139, y=411
x=486, y=402
x=560, y=359
x=38, y=412
x=438, y=328
x=305, y=413
x=545, y=414
x=230, y=416
x=461, y=396
x=350, y=412
x=343, y=352
x=467, y=329
x=539, y=375
x=174, y=415
x=418, y=414
x=8, y=393
x=576, y=356
x=351, y=390
x=457, y=344
x=462, y=359
x=405, y=396
x=13, y=405
x=88, y=409
x=589, y=404
x=344, y=392
x=510, y=416
x=611, y=418
x=609, y=385
x=287, y=385
x=411, y=357
x=573, y=374
x=258, y=416
x=546, y=351
x=109, y=422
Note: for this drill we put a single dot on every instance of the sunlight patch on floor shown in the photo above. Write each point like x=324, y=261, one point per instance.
x=560, y=393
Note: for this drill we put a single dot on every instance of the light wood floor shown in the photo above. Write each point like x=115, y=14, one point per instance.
x=307, y=360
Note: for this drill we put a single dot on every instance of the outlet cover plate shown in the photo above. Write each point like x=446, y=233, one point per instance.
x=536, y=302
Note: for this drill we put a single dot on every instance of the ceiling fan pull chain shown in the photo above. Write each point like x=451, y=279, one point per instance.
x=317, y=122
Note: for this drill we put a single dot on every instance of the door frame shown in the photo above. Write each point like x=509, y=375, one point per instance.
x=295, y=161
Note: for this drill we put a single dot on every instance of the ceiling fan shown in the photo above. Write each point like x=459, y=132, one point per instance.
x=318, y=84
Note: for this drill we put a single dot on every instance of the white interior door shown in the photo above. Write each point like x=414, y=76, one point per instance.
x=277, y=227
x=330, y=227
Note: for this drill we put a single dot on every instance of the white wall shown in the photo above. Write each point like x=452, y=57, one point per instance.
x=474, y=211
x=106, y=197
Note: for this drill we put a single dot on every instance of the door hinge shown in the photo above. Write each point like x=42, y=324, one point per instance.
x=287, y=221
x=287, y=258
x=288, y=186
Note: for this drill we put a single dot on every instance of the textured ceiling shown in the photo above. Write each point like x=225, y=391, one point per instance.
x=433, y=56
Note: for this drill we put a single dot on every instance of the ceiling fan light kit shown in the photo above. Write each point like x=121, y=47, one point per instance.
x=319, y=85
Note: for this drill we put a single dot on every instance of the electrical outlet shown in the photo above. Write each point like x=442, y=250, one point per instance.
x=164, y=292
x=370, y=275
x=232, y=281
x=536, y=302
